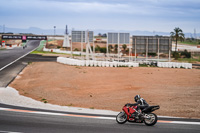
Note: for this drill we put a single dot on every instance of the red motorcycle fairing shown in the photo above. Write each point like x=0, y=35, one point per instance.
x=146, y=116
x=129, y=110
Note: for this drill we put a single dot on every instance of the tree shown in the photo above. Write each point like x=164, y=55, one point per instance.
x=110, y=47
x=104, y=35
x=177, y=34
x=124, y=46
x=116, y=48
x=97, y=48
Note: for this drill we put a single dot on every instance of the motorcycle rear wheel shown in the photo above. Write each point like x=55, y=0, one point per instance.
x=121, y=118
x=152, y=120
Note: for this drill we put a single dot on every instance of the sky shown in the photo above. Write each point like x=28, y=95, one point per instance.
x=129, y=15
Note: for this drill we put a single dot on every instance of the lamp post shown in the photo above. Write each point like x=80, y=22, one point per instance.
x=4, y=28
x=54, y=32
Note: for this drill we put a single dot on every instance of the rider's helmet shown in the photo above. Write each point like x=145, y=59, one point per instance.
x=137, y=97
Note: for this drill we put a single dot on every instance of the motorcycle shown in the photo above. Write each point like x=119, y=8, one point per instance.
x=133, y=114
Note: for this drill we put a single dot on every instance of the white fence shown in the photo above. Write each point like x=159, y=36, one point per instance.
x=93, y=63
x=60, y=51
x=69, y=52
x=175, y=65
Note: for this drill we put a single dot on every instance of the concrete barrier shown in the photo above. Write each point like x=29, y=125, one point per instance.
x=174, y=65
x=76, y=62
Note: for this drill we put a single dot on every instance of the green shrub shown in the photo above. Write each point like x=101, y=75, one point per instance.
x=186, y=54
x=29, y=63
x=75, y=49
x=176, y=55
x=110, y=47
x=43, y=99
x=103, y=50
x=97, y=48
x=70, y=104
x=116, y=48
x=152, y=54
x=124, y=46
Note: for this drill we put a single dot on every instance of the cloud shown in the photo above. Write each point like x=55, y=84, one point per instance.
x=101, y=13
x=135, y=7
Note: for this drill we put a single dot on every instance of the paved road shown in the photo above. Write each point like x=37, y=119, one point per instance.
x=7, y=56
x=40, y=123
x=26, y=122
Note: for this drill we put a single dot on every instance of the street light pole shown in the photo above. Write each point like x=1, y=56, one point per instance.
x=54, y=32
x=4, y=28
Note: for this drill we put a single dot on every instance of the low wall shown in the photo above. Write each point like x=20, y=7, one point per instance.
x=60, y=51
x=93, y=63
x=175, y=65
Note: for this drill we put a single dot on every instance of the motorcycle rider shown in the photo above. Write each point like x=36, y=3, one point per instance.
x=140, y=103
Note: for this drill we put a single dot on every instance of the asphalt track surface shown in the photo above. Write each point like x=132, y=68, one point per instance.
x=23, y=120
x=7, y=74
x=9, y=55
x=30, y=120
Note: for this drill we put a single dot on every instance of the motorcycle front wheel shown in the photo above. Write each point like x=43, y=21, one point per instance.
x=152, y=120
x=121, y=118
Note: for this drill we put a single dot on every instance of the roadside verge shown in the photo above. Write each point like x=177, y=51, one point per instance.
x=12, y=101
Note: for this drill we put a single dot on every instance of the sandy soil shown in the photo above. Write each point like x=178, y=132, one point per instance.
x=77, y=45
x=13, y=42
x=177, y=91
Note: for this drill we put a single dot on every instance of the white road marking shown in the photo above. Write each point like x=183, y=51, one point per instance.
x=106, y=118
x=17, y=59
x=185, y=122
x=47, y=113
x=4, y=108
x=9, y=132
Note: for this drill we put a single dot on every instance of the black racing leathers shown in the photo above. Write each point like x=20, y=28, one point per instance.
x=141, y=103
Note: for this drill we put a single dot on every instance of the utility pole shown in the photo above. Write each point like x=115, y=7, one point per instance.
x=54, y=32
x=195, y=36
x=4, y=28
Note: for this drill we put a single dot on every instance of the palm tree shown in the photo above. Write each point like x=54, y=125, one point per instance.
x=177, y=34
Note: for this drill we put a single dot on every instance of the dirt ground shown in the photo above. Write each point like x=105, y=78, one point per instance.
x=77, y=45
x=177, y=91
x=13, y=42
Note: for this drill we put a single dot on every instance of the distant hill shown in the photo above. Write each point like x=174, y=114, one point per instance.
x=40, y=31
x=35, y=30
